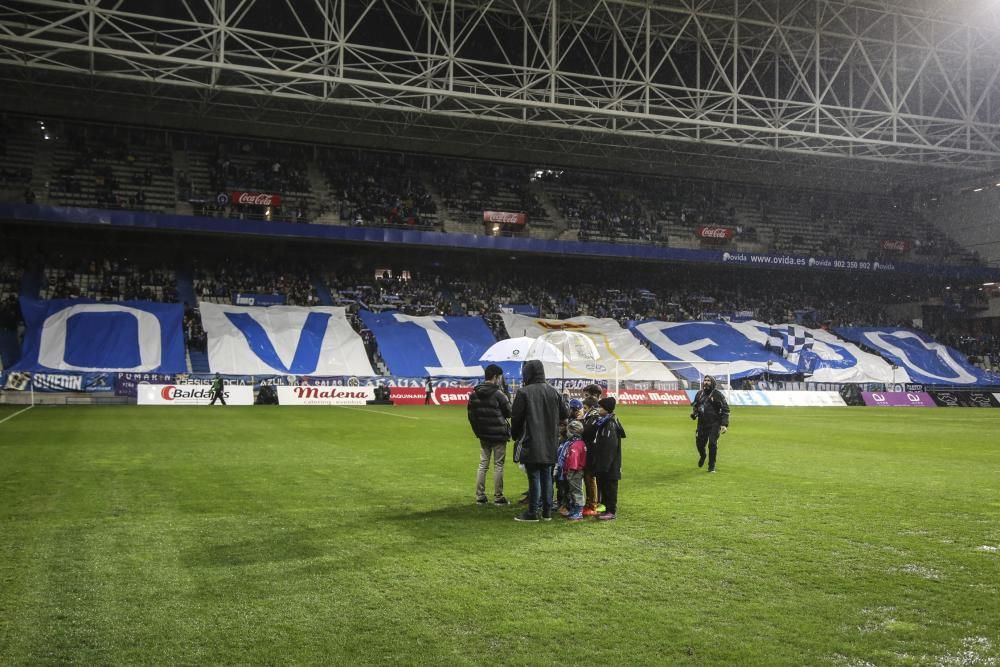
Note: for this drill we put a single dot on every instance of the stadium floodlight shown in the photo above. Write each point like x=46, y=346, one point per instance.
x=629, y=374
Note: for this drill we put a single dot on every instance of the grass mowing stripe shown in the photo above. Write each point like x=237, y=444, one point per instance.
x=9, y=417
x=381, y=412
x=309, y=535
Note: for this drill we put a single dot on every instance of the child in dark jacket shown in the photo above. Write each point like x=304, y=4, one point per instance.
x=569, y=470
x=604, y=457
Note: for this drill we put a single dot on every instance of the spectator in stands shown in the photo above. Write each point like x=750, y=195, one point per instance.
x=711, y=411
x=488, y=411
x=538, y=409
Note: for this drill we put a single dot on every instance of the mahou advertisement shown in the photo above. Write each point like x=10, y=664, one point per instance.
x=254, y=199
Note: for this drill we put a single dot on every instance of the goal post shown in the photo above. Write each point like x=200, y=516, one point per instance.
x=653, y=374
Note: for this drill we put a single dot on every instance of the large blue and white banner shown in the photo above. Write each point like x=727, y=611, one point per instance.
x=819, y=355
x=288, y=340
x=125, y=336
x=924, y=359
x=430, y=345
x=716, y=348
x=620, y=354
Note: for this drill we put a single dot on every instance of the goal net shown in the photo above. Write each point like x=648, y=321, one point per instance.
x=682, y=374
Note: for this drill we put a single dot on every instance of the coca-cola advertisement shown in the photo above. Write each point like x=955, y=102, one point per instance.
x=895, y=245
x=711, y=233
x=504, y=218
x=254, y=199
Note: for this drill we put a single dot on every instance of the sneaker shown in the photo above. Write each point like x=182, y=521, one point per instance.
x=589, y=511
x=501, y=501
x=606, y=516
x=564, y=510
x=546, y=515
x=526, y=516
x=601, y=508
x=575, y=516
x=711, y=470
x=701, y=460
x=523, y=500
x=481, y=500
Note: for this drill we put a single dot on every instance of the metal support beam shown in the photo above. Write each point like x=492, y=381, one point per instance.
x=890, y=82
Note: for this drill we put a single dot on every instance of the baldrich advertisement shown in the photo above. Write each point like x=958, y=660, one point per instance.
x=191, y=394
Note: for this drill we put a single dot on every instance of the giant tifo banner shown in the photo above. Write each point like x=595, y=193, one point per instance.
x=246, y=340
x=125, y=336
x=430, y=345
x=710, y=344
x=619, y=351
x=819, y=355
x=924, y=359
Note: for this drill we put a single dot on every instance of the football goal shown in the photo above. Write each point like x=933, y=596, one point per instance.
x=629, y=374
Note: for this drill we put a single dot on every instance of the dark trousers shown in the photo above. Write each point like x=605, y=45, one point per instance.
x=608, y=488
x=217, y=395
x=539, y=487
x=708, y=435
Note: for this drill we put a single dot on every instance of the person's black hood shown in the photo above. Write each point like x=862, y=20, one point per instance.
x=711, y=383
x=533, y=372
x=486, y=389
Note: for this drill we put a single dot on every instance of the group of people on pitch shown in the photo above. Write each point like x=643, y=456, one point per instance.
x=574, y=443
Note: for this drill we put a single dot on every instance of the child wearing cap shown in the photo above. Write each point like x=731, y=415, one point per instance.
x=604, y=457
x=569, y=470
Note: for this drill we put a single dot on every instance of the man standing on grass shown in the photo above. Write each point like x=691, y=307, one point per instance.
x=712, y=412
x=538, y=409
x=217, y=389
x=489, y=410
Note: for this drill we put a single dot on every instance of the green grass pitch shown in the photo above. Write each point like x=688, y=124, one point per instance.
x=336, y=536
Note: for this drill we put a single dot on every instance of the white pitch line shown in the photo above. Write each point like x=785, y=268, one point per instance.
x=381, y=412
x=9, y=417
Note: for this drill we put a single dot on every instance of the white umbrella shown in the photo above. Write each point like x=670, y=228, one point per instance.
x=522, y=349
x=573, y=345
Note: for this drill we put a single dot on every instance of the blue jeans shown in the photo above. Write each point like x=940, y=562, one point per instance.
x=539, y=487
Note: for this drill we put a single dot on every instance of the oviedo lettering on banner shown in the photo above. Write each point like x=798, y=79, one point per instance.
x=306, y=395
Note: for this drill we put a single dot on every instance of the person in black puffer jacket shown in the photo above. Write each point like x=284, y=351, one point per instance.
x=538, y=409
x=712, y=412
x=489, y=410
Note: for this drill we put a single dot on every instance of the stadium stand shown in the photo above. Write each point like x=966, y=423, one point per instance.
x=92, y=165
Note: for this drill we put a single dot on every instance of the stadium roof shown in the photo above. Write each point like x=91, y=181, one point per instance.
x=874, y=96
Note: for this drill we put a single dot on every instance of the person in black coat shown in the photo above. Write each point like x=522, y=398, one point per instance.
x=489, y=410
x=604, y=457
x=712, y=412
x=538, y=409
